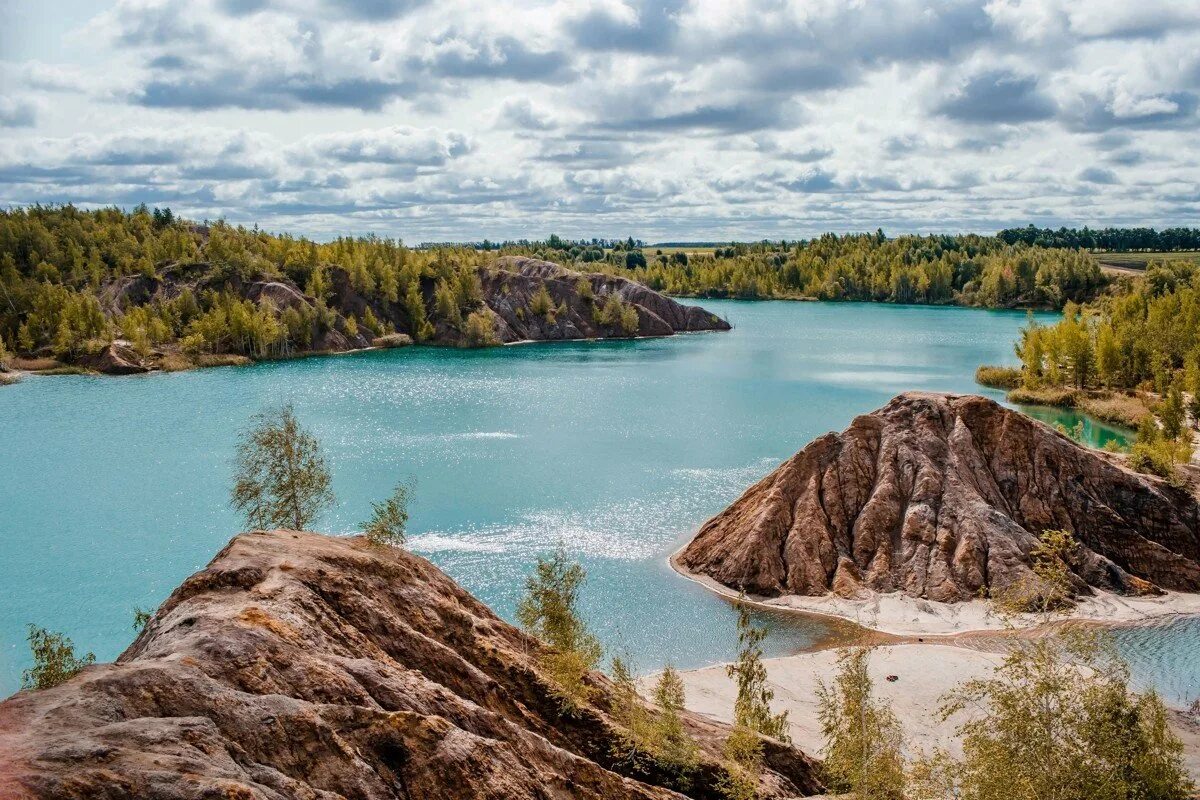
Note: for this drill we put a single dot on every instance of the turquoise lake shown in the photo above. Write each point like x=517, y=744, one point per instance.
x=115, y=489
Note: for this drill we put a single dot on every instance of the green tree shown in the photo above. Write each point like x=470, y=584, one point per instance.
x=141, y=618
x=389, y=519
x=549, y=610
x=281, y=479
x=54, y=659
x=1172, y=413
x=673, y=745
x=863, y=741
x=752, y=708
x=480, y=329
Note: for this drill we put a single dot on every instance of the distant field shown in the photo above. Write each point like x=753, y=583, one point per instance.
x=691, y=251
x=1135, y=263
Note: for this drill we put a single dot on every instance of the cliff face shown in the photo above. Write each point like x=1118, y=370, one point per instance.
x=303, y=666
x=509, y=286
x=940, y=496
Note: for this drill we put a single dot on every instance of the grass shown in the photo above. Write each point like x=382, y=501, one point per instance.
x=221, y=360
x=1114, y=408
x=1117, y=409
x=34, y=364
x=9, y=378
x=1138, y=261
x=998, y=377
x=1046, y=396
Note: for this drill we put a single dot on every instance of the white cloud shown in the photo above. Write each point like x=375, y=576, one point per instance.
x=670, y=119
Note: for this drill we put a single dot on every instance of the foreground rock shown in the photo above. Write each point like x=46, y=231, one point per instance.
x=302, y=666
x=942, y=497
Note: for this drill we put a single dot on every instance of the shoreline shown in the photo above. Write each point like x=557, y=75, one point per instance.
x=903, y=617
x=911, y=677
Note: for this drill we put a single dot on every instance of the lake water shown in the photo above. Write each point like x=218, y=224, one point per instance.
x=115, y=489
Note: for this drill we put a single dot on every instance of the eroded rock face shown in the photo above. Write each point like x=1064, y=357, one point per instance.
x=303, y=666
x=940, y=496
x=511, y=282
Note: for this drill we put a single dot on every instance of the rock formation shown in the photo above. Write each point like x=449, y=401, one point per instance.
x=511, y=282
x=940, y=497
x=303, y=666
x=509, y=286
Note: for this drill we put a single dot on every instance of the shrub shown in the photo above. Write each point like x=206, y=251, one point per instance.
x=999, y=377
x=863, y=740
x=541, y=303
x=389, y=518
x=392, y=340
x=672, y=744
x=281, y=478
x=480, y=330
x=549, y=610
x=54, y=659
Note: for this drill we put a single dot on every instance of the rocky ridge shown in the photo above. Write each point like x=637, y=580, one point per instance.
x=298, y=665
x=943, y=497
x=509, y=286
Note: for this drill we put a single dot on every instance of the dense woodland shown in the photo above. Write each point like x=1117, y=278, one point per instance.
x=69, y=278
x=1112, y=240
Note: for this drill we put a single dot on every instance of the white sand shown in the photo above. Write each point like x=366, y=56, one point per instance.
x=924, y=672
x=902, y=615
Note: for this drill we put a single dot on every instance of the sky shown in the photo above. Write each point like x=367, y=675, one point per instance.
x=686, y=120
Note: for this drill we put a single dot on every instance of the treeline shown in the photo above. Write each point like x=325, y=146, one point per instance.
x=968, y=270
x=1112, y=240
x=70, y=279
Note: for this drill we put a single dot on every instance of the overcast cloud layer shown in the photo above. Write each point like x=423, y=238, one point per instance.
x=706, y=119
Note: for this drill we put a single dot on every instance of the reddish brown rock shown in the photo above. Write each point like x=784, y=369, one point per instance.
x=940, y=496
x=118, y=358
x=303, y=666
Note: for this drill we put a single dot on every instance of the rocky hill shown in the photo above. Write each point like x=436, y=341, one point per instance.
x=577, y=305
x=302, y=666
x=940, y=497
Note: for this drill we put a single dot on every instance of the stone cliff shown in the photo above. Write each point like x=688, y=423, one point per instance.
x=940, y=497
x=303, y=666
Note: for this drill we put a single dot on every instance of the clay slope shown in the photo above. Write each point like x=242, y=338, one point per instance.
x=303, y=666
x=940, y=496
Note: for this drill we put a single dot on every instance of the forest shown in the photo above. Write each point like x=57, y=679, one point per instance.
x=1111, y=240
x=73, y=280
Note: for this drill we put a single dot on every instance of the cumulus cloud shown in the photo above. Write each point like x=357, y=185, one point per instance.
x=998, y=96
x=670, y=118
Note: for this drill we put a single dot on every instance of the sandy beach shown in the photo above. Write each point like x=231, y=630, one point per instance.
x=901, y=615
x=924, y=673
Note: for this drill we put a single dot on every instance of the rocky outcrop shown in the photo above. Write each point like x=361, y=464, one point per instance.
x=303, y=666
x=940, y=497
x=511, y=282
x=117, y=358
x=509, y=286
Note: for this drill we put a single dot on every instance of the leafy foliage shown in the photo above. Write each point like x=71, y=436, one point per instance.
x=281, y=478
x=863, y=740
x=752, y=708
x=54, y=659
x=389, y=518
x=549, y=610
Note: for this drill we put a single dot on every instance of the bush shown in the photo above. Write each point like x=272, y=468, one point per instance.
x=549, y=610
x=1048, y=396
x=389, y=518
x=999, y=377
x=480, y=330
x=54, y=659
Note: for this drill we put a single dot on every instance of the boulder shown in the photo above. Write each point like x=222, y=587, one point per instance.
x=117, y=358
x=944, y=496
x=305, y=666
